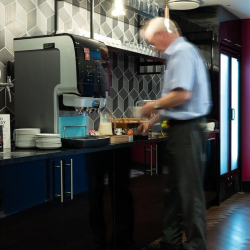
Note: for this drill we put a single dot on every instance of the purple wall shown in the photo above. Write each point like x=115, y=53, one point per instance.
x=245, y=100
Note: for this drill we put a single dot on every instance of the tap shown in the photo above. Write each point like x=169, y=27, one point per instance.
x=7, y=85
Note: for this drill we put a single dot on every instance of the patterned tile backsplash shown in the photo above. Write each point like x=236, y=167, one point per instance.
x=21, y=18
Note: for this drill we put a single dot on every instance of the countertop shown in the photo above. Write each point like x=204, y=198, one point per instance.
x=17, y=156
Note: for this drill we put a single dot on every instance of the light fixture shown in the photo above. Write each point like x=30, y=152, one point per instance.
x=118, y=10
x=183, y=4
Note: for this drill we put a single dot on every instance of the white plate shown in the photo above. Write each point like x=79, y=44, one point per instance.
x=25, y=136
x=48, y=144
x=27, y=131
x=25, y=141
x=55, y=147
x=20, y=146
x=47, y=135
x=26, y=144
x=55, y=140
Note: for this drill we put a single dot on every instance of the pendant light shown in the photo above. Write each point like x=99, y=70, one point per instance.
x=183, y=4
x=167, y=18
x=118, y=10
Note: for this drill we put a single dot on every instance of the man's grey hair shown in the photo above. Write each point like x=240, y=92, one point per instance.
x=159, y=23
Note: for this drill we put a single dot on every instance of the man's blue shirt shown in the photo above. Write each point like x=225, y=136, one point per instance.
x=186, y=69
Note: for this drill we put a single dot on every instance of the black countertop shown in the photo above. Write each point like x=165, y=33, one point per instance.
x=27, y=155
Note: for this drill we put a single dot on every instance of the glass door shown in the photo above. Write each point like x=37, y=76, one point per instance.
x=229, y=112
x=235, y=68
x=224, y=114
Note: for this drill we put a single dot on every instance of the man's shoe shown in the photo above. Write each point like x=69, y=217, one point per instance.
x=164, y=246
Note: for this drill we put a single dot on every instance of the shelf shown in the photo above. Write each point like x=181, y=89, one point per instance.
x=139, y=12
x=158, y=60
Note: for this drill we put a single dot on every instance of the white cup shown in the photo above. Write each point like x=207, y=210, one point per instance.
x=210, y=126
x=118, y=131
x=137, y=112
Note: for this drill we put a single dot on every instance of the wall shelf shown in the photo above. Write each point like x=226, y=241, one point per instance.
x=139, y=12
x=157, y=60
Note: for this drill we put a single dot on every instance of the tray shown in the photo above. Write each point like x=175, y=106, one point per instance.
x=89, y=141
x=118, y=138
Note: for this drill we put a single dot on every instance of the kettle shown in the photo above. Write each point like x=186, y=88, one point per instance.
x=105, y=126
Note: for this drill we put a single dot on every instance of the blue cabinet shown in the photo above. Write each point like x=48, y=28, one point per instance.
x=22, y=185
x=73, y=176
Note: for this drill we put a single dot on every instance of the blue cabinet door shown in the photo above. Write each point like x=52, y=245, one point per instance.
x=78, y=176
x=22, y=185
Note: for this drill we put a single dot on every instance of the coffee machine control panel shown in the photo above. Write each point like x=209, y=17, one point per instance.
x=93, y=77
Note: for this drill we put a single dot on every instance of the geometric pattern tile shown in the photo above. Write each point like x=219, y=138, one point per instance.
x=27, y=5
x=36, y=17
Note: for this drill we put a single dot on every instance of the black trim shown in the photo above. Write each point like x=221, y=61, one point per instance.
x=246, y=186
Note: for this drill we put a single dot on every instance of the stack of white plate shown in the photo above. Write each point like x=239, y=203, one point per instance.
x=48, y=141
x=25, y=137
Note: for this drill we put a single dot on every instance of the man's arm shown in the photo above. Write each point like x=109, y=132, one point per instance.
x=172, y=99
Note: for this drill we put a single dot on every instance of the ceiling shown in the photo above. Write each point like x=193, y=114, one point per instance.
x=240, y=8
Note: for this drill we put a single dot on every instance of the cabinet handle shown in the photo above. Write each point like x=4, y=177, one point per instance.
x=156, y=160
x=227, y=40
x=71, y=179
x=62, y=183
x=232, y=114
x=236, y=44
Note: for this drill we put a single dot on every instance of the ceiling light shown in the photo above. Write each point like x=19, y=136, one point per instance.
x=118, y=10
x=183, y=4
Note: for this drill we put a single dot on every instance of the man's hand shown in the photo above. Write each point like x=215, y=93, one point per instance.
x=147, y=109
x=145, y=126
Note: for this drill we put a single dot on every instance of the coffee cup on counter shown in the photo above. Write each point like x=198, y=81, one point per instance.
x=137, y=112
x=118, y=131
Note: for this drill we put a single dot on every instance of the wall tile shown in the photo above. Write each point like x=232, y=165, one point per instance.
x=37, y=17
x=7, y=2
x=39, y=2
x=21, y=15
x=46, y=10
x=10, y=13
x=41, y=22
x=9, y=42
x=27, y=5
x=64, y=15
x=68, y=25
x=31, y=19
x=120, y=104
x=2, y=15
x=2, y=39
x=118, y=113
x=6, y=56
x=35, y=32
x=50, y=25
x=16, y=29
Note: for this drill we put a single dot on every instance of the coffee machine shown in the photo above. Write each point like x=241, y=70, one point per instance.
x=58, y=80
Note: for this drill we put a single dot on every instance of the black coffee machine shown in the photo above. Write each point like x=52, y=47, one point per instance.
x=58, y=79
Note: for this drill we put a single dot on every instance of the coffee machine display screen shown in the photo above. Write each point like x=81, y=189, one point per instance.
x=95, y=54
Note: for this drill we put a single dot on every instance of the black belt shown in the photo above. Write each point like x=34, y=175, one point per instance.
x=177, y=122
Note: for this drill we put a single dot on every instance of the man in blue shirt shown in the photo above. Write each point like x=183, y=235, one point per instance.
x=185, y=101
